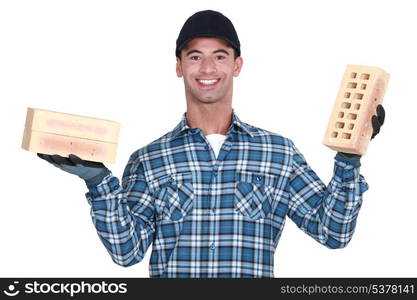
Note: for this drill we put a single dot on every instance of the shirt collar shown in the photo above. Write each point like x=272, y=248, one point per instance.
x=236, y=125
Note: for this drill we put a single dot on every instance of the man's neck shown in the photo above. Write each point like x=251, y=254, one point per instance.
x=211, y=118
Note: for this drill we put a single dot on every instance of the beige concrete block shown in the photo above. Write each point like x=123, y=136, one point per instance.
x=52, y=132
x=72, y=125
x=361, y=90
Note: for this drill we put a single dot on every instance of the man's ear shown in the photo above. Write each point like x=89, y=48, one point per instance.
x=178, y=68
x=238, y=66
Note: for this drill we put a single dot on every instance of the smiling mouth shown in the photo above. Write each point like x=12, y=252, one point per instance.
x=208, y=83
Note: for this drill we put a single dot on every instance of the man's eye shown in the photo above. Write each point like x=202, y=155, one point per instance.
x=194, y=57
x=220, y=57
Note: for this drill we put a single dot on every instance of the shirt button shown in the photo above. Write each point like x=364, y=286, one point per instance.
x=172, y=179
x=213, y=210
x=212, y=246
x=206, y=147
x=258, y=178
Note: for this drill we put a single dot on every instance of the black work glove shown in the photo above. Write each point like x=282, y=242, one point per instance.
x=92, y=172
x=377, y=121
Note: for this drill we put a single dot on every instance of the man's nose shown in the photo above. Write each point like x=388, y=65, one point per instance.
x=208, y=65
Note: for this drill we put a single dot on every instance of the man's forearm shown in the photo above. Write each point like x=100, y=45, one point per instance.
x=117, y=227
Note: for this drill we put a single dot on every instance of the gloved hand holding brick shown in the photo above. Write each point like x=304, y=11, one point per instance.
x=92, y=172
x=357, y=113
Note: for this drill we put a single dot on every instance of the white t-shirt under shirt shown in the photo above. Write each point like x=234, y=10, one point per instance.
x=216, y=141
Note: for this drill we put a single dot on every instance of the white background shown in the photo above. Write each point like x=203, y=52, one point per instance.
x=115, y=60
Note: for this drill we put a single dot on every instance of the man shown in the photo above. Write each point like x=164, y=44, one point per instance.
x=212, y=195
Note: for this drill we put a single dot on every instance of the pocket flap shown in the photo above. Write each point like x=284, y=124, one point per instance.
x=165, y=180
x=256, y=178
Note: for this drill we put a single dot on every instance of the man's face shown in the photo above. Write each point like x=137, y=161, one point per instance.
x=208, y=67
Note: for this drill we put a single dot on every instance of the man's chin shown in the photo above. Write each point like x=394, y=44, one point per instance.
x=208, y=100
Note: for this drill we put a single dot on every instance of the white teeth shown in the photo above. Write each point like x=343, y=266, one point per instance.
x=211, y=81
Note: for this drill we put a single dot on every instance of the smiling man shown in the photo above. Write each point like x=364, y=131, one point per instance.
x=213, y=194
x=208, y=66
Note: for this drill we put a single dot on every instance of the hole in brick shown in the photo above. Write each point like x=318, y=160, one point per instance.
x=346, y=135
x=340, y=124
x=353, y=75
x=351, y=125
x=359, y=96
x=347, y=95
x=341, y=114
x=334, y=134
x=357, y=106
x=365, y=76
x=352, y=116
x=363, y=86
x=346, y=105
x=352, y=85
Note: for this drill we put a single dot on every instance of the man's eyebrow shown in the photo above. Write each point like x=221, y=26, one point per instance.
x=199, y=52
x=221, y=51
x=193, y=51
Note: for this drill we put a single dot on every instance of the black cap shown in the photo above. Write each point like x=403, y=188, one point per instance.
x=207, y=23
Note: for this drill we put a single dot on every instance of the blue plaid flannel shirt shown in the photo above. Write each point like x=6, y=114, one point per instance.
x=208, y=217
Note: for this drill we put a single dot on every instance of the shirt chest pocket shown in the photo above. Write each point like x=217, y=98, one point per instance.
x=253, y=195
x=173, y=195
